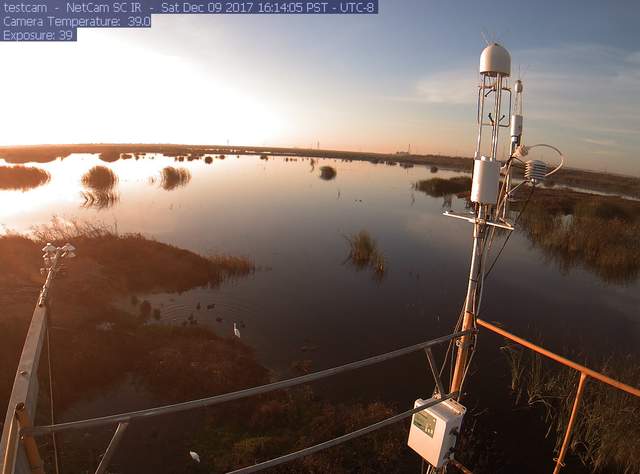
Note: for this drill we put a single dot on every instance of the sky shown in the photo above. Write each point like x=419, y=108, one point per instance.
x=405, y=77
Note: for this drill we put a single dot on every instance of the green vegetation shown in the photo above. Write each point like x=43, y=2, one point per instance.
x=328, y=173
x=364, y=252
x=605, y=436
x=172, y=178
x=438, y=187
x=22, y=177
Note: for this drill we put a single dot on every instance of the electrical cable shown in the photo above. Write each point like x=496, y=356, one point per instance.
x=506, y=240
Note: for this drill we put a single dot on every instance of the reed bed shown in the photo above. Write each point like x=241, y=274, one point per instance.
x=100, y=178
x=22, y=177
x=607, y=430
x=172, y=178
x=438, y=187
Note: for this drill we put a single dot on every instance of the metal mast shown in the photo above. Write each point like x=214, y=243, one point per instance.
x=495, y=68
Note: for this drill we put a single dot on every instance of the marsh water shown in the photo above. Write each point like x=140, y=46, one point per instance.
x=306, y=302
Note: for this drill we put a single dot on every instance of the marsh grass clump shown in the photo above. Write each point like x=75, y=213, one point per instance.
x=364, y=253
x=22, y=177
x=605, y=436
x=208, y=159
x=100, y=178
x=434, y=169
x=438, y=187
x=172, y=178
x=328, y=173
x=597, y=232
x=234, y=266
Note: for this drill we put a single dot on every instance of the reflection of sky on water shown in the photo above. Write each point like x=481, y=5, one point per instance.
x=280, y=214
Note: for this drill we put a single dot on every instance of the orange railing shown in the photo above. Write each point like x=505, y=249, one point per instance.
x=585, y=373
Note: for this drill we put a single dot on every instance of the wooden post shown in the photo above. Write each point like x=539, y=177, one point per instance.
x=28, y=442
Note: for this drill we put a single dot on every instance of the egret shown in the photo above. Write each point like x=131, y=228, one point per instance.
x=195, y=456
x=236, y=331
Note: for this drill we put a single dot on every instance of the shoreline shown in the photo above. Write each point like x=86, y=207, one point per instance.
x=593, y=180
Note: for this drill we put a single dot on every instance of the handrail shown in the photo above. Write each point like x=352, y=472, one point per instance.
x=344, y=438
x=227, y=397
x=562, y=360
x=585, y=372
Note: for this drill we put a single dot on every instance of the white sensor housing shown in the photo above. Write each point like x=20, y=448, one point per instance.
x=434, y=431
x=495, y=60
x=486, y=179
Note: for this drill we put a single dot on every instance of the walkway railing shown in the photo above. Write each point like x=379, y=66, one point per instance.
x=18, y=448
x=585, y=373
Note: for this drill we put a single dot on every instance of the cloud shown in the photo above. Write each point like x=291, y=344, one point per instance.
x=604, y=143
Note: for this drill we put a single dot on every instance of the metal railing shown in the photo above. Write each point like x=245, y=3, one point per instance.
x=19, y=431
x=585, y=374
x=19, y=451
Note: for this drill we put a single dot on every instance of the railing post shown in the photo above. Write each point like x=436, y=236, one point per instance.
x=572, y=421
x=29, y=443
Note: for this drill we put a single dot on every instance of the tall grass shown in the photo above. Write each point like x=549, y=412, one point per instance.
x=364, y=252
x=438, y=187
x=22, y=177
x=607, y=430
x=100, y=178
x=172, y=178
x=599, y=233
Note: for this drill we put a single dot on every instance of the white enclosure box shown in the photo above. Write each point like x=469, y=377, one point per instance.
x=486, y=179
x=434, y=430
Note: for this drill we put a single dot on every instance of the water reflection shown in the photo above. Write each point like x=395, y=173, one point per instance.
x=22, y=177
x=99, y=199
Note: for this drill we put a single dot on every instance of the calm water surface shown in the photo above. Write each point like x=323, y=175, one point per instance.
x=305, y=302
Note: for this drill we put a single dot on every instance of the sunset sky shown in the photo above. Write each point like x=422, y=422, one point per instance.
x=374, y=83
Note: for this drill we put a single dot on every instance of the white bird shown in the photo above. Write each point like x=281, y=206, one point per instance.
x=194, y=456
x=236, y=331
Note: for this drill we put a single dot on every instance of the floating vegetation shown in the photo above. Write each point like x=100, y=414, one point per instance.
x=328, y=173
x=364, y=253
x=406, y=165
x=264, y=157
x=438, y=187
x=99, y=199
x=22, y=177
x=172, y=178
x=100, y=178
x=605, y=436
x=433, y=169
x=208, y=160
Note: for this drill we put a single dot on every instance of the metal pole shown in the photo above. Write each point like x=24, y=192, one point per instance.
x=111, y=449
x=29, y=443
x=572, y=420
x=468, y=320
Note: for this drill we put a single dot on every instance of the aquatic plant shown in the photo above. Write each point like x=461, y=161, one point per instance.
x=605, y=436
x=328, y=173
x=172, y=178
x=438, y=187
x=597, y=232
x=433, y=169
x=208, y=159
x=22, y=177
x=363, y=253
x=109, y=156
x=100, y=178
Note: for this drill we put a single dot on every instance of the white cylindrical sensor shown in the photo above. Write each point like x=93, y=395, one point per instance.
x=486, y=179
x=516, y=125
